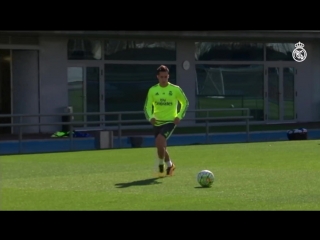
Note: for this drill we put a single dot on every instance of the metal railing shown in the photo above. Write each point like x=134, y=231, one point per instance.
x=246, y=117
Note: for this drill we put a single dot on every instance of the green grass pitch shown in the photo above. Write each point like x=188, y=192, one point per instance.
x=248, y=176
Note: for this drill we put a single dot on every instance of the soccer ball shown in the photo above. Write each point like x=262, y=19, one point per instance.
x=205, y=178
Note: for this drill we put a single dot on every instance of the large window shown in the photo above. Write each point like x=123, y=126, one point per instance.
x=228, y=51
x=139, y=50
x=75, y=91
x=127, y=85
x=128, y=74
x=88, y=49
x=93, y=92
x=84, y=49
x=83, y=92
x=228, y=86
x=279, y=51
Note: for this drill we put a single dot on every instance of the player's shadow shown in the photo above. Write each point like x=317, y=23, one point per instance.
x=143, y=182
x=199, y=187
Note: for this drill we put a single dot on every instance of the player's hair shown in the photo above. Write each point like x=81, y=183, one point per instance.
x=162, y=68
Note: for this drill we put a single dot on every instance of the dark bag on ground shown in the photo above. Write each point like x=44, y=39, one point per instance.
x=297, y=134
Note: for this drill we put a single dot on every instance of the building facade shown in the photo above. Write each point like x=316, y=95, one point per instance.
x=108, y=71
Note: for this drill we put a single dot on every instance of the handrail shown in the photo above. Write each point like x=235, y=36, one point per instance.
x=116, y=113
x=120, y=121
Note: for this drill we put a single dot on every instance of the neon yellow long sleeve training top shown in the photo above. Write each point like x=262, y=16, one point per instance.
x=162, y=103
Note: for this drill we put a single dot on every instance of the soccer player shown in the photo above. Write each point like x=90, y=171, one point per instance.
x=161, y=109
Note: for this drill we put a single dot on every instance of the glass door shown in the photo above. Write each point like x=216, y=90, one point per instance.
x=280, y=93
x=289, y=93
x=273, y=94
x=84, y=93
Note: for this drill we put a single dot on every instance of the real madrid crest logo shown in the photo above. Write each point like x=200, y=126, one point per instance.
x=299, y=54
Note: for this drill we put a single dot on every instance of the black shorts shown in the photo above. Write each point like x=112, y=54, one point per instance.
x=165, y=130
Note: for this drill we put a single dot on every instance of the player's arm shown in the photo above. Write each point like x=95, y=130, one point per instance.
x=183, y=100
x=148, y=106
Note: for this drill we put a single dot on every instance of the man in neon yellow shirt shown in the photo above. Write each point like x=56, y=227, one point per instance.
x=161, y=109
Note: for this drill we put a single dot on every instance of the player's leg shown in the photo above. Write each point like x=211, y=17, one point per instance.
x=170, y=166
x=160, y=151
x=166, y=155
x=167, y=131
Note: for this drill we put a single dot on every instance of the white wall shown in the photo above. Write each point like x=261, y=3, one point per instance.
x=186, y=79
x=53, y=79
x=25, y=84
x=308, y=85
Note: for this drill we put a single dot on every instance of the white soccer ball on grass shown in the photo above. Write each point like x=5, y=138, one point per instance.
x=205, y=178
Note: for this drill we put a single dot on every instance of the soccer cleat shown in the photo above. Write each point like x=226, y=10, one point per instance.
x=170, y=170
